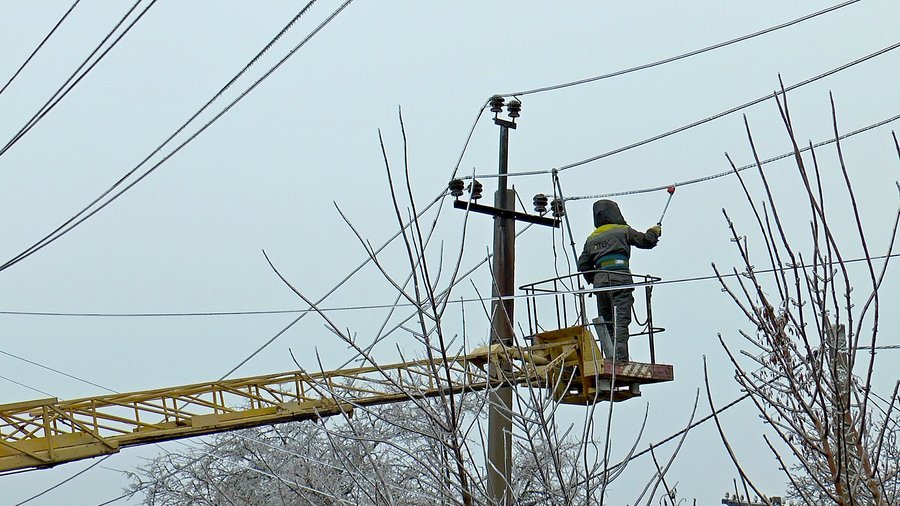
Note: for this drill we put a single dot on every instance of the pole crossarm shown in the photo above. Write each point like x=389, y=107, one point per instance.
x=505, y=213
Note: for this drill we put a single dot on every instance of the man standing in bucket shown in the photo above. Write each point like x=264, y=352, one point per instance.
x=608, y=248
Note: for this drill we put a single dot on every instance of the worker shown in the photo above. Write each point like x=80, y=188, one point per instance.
x=604, y=263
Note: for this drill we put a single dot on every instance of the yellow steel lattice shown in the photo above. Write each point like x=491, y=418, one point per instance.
x=46, y=432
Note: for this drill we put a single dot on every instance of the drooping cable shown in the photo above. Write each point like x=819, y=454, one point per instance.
x=76, y=78
x=87, y=212
x=683, y=55
x=57, y=371
x=39, y=46
x=692, y=279
x=63, y=482
x=741, y=168
x=29, y=387
x=468, y=139
x=699, y=122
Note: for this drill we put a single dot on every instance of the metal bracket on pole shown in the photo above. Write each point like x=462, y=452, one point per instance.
x=506, y=213
x=505, y=123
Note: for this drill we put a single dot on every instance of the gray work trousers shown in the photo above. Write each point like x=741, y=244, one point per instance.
x=618, y=303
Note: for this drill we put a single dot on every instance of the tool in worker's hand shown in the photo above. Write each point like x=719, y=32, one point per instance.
x=671, y=191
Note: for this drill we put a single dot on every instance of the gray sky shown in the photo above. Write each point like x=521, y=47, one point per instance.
x=267, y=175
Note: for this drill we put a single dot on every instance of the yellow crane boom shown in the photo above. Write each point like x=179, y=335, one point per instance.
x=46, y=432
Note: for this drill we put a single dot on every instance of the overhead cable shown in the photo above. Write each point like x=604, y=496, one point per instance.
x=39, y=46
x=63, y=482
x=695, y=123
x=42, y=366
x=644, y=67
x=739, y=169
x=87, y=212
x=681, y=56
x=29, y=387
x=73, y=81
x=184, y=125
x=405, y=304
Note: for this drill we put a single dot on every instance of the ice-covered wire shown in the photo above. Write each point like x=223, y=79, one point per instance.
x=87, y=211
x=692, y=279
x=699, y=122
x=75, y=78
x=681, y=56
x=39, y=46
x=739, y=169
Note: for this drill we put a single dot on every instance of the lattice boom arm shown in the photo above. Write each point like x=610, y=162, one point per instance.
x=46, y=432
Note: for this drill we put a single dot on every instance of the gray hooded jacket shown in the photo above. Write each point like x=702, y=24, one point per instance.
x=609, y=245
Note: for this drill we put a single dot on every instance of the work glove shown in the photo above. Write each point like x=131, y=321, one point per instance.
x=656, y=230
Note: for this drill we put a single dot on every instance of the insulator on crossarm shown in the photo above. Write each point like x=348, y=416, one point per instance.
x=475, y=188
x=540, y=203
x=558, y=207
x=497, y=104
x=514, y=108
x=456, y=187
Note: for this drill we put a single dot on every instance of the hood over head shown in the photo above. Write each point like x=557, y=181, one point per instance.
x=606, y=212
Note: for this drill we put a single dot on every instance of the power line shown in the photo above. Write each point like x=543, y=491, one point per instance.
x=739, y=169
x=397, y=305
x=57, y=371
x=699, y=122
x=39, y=46
x=215, y=97
x=81, y=217
x=70, y=478
x=733, y=109
x=681, y=56
x=29, y=387
x=682, y=431
x=643, y=67
x=63, y=90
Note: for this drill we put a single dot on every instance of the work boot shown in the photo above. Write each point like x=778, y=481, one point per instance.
x=622, y=351
x=621, y=340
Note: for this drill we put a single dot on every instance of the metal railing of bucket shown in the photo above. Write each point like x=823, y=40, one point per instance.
x=568, y=304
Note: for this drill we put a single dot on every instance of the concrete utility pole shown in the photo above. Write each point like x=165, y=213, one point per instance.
x=499, y=414
x=499, y=451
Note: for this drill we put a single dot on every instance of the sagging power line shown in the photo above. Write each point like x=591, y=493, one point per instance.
x=78, y=75
x=739, y=169
x=697, y=123
x=682, y=56
x=370, y=307
x=39, y=46
x=90, y=210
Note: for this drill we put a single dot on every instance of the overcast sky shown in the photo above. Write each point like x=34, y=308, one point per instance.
x=268, y=174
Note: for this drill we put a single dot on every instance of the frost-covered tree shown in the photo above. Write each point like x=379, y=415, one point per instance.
x=385, y=455
x=814, y=341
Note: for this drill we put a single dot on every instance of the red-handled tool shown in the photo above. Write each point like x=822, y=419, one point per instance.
x=671, y=191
